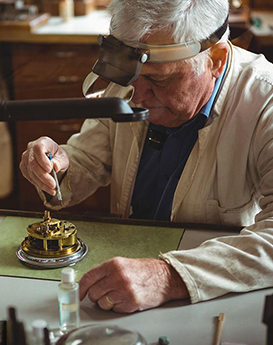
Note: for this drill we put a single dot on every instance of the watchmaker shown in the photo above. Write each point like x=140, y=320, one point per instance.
x=206, y=155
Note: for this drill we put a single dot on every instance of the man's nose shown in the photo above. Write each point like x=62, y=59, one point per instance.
x=142, y=89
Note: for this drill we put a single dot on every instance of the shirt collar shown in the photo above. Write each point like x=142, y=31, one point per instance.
x=205, y=110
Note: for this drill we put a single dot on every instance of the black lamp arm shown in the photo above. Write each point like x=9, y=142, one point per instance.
x=113, y=108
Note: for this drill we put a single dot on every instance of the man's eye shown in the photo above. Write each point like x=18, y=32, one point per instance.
x=158, y=79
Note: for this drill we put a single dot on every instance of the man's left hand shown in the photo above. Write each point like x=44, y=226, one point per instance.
x=127, y=285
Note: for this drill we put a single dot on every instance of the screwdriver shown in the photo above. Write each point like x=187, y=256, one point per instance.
x=58, y=189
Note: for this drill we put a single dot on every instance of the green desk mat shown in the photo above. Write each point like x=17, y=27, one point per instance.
x=104, y=240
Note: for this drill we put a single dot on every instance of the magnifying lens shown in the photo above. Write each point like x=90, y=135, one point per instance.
x=101, y=335
x=95, y=86
x=120, y=62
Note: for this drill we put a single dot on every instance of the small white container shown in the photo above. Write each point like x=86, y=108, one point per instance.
x=68, y=299
x=37, y=335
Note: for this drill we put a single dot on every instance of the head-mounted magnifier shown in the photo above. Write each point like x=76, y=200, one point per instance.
x=121, y=62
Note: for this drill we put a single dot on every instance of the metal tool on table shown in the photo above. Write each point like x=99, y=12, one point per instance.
x=58, y=189
x=268, y=318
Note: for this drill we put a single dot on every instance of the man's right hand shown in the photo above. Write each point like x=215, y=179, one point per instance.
x=36, y=166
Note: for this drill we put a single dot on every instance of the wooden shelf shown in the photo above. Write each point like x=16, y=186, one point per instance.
x=30, y=23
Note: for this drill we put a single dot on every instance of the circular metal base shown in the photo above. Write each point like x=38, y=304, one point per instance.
x=50, y=262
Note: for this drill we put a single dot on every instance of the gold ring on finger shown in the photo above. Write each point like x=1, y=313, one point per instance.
x=109, y=301
x=105, y=303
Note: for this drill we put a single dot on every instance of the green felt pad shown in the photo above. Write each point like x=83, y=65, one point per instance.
x=104, y=241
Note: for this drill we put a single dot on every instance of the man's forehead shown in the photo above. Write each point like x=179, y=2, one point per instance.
x=164, y=68
x=158, y=68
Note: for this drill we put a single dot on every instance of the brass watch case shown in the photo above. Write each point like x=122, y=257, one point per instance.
x=51, y=243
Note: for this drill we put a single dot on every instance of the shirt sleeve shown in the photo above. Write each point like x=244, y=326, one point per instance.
x=244, y=262
x=227, y=264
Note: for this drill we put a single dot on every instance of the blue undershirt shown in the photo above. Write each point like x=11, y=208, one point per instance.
x=160, y=169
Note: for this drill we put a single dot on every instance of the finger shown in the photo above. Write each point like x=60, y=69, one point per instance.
x=100, y=288
x=125, y=308
x=106, y=303
x=116, y=301
x=36, y=152
x=45, y=182
x=34, y=158
x=40, y=151
x=60, y=161
x=24, y=171
x=90, y=278
x=39, y=175
x=36, y=175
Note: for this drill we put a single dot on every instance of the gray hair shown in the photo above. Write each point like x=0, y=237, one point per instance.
x=198, y=61
x=186, y=20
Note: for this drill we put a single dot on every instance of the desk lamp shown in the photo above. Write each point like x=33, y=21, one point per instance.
x=113, y=108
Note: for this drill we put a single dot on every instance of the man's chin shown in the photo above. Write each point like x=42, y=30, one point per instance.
x=166, y=120
x=157, y=117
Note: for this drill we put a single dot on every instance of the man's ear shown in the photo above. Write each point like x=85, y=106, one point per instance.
x=218, y=54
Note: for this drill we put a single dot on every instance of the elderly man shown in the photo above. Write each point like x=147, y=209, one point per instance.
x=205, y=156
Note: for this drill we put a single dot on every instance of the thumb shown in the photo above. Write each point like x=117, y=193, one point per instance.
x=60, y=161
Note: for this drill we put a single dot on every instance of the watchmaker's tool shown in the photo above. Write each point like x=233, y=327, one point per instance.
x=268, y=318
x=15, y=331
x=221, y=319
x=58, y=189
x=51, y=243
x=3, y=332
